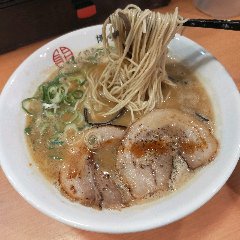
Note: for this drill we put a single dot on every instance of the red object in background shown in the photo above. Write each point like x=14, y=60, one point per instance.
x=87, y=12
x=47, y=18
x=61, y=55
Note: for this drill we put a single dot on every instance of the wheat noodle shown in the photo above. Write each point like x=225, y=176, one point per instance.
x=135, y=70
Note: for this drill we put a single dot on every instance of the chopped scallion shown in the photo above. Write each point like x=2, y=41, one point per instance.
x=56, y=93
x=28, y=130
x=82, y=81
x=31, y=106
x=77, y=94
x=70, y=99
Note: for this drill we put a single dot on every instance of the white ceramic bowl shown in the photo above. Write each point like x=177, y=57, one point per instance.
x=37, y=191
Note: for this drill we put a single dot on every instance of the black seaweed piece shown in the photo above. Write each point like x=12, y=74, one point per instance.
x=202, y=117
x=177, y=80
x=108, y=123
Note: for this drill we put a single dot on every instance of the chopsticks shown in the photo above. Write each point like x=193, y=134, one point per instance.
x=214, y=23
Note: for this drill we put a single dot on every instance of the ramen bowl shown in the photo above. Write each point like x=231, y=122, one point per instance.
x=30, y=183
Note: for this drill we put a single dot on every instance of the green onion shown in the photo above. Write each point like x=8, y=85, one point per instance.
x=28, y=130
x=57, y=78
x=77, y=94
x=69, y=99
x=48, y=113
x=56, y=93
x=82, y=81
x=72, y=60
x=31, y=106
x=79, y=78
x=43, y=126
x=44, y=88
x=53, y=91
x=50, y=107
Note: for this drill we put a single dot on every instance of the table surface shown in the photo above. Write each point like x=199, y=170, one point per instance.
x=217, y=219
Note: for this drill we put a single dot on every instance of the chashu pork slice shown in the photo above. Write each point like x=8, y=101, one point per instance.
x=146, y=155
x=82, y=176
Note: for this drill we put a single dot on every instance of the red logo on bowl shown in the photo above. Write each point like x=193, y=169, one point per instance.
x=62, y=55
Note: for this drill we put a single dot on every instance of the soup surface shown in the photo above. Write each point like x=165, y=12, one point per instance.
x=63, y=126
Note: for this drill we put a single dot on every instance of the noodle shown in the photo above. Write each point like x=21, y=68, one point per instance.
x=135, y=70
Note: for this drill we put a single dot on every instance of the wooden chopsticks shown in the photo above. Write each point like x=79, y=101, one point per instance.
x=214, y=23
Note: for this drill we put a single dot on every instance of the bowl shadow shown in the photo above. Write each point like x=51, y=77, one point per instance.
x=193, y=226
x=234, y=181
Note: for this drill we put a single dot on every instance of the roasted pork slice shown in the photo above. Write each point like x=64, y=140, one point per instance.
x=146, y=155
x=77, y=179
x=85, y=176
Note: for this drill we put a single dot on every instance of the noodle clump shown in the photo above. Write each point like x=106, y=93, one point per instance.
x=135, y=69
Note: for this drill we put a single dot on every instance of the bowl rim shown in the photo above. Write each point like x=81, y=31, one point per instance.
x=141, y=227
